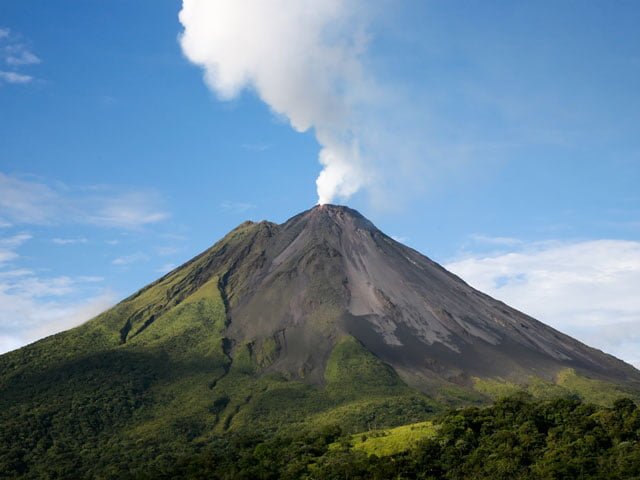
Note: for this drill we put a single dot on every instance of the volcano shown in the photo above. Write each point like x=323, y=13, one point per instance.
x=318, y=320
x=329, y=272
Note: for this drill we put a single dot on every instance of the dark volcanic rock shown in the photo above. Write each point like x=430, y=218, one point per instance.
x=329, y=271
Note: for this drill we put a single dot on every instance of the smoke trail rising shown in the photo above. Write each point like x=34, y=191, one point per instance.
x=304, y=59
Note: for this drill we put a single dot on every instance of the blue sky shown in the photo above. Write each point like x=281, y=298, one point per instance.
x=499, y=138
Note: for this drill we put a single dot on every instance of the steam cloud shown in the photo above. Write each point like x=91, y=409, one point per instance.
x=304, y=59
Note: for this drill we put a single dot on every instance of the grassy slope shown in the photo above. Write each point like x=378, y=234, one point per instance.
x=567, y=382
x=392, y=440
x=359, y=391
x=82, y=393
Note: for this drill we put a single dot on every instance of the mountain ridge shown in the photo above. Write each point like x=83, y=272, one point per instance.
x=255, y=255
x=329, y=231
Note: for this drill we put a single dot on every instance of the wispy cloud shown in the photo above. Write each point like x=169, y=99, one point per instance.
x=35, y=287
x=90, y=279
x=128, y=210
x=16, y=272
x=68, y=241
x=36, y=202
x=7, y=254
x=19, y=55
x=588, y=289
x=168, y=250
x=236, y=207
x=14, y=77
x=8, y=245
x=15, y=240
x=34, y=306
x=28, y=317
x=15, y=53
x=498, y=241
x=28, y=202
x=129, y=259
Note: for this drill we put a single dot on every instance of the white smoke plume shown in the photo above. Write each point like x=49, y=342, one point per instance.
x=304, y=59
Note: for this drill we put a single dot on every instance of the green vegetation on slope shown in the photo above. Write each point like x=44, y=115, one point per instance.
x=153, y=389
x=173, y=388
x=567, y=382
x=515, y=439
x=391, y=441
x=352, y=366
x=360, y=392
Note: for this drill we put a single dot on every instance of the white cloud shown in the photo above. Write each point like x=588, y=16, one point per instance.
x=498, y=241
x=68, y=241
x=8, y=246
x=18, y=55
x=33, y=306
x=588, y=289
x=168, y=250
x=14, y=77
x=7, y=255
x=128, y=210
x=35, y=287
x=129, y=259
x=25, y=318
x=28, y=201
x=90, y=279
x=17, y=272
x=15, y=240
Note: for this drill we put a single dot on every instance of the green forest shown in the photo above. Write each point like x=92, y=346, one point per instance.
x=518, y=437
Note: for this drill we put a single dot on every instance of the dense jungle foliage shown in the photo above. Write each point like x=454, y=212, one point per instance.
x=516, y=438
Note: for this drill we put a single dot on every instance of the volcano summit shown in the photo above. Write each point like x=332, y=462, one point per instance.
x=321, y=319
x=329, y=272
